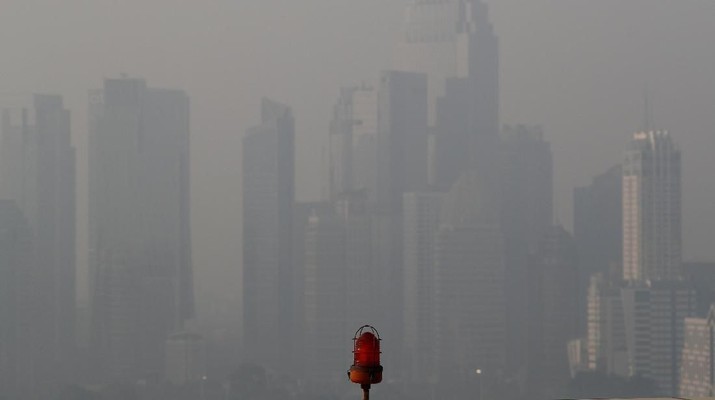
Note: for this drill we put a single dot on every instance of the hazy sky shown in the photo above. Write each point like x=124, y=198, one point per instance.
x=576, y=66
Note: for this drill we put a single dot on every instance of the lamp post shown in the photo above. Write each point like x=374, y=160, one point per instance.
x=479, y=382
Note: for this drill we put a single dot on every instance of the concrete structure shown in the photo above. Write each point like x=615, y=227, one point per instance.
x=268, y=258
x=606, y=331
x=697, y=374
x=185, y=358
x=141, y=281
x=37, y=170
x=420, y=222
x=526, y=204
x=652, y=243
x=553, y=313
x=402, y=142
x=325, y=301
x=19, y=334
x=598, y=228
x=654, y=315
x=453, y=43
x=469, y=280
x=353, y=142
x=453, y=39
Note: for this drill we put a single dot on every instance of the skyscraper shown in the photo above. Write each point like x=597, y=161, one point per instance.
x=402, y=142
x=652, y=247
x=420, y=224
x=526, y=204
x=469, y=279
x=598, y=228
x=19, y=331
x=268, y=259
x=139, y=231
x=453, y=39
x=353, y=142
x=402, y=154
x=553, y=312
x=654, y=315
x=325, y=297
x=697, y=375
x=606, y=331
x=38, y=172
x=453, y=42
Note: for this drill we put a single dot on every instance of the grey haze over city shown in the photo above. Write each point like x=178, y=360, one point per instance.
x=576, y=80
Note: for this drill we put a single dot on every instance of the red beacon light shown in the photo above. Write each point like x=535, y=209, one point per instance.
x=366, y=369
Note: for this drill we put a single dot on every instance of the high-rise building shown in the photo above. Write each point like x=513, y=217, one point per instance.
x=38, y=172
x=141, y=283
x=185, y=358
x=453, y=42
x=402, y=147
x=353, y=141
x=18, y=306
x=553, y=312
x=453, y=39
x=469, y=284
x=654, y=315
x=697, y=375
x=652, y=247
x=325, y=298
x=268, y=258
x=402, y=142
x=420, y=222
x=606, y=331
x=361, y=269
x=702, y=276
x=526, y=185
x=598, y=228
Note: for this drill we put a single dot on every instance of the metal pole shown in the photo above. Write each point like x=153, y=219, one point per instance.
x=365, y=392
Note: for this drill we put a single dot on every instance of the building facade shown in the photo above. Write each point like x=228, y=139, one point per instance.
x=421, y=222
x=469, y=303
x=654, y=316
x=696, y=368
x=268, y=258
x=19, y=333
x=598, y=229
x=141, y=280
x=37, y=170
x=652, y=243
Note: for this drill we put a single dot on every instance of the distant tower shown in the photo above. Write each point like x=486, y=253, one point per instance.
x=469, y=303
x=268, y=259
x=353, y=142
x=453, y=43
x=553, y=311
x=652, y=247
x=420, y=224
x=598, y=228
x=19, y=336
x=139, y=233
x=37, y=170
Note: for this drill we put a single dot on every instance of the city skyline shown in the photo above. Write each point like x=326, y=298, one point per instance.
x=487, y=204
